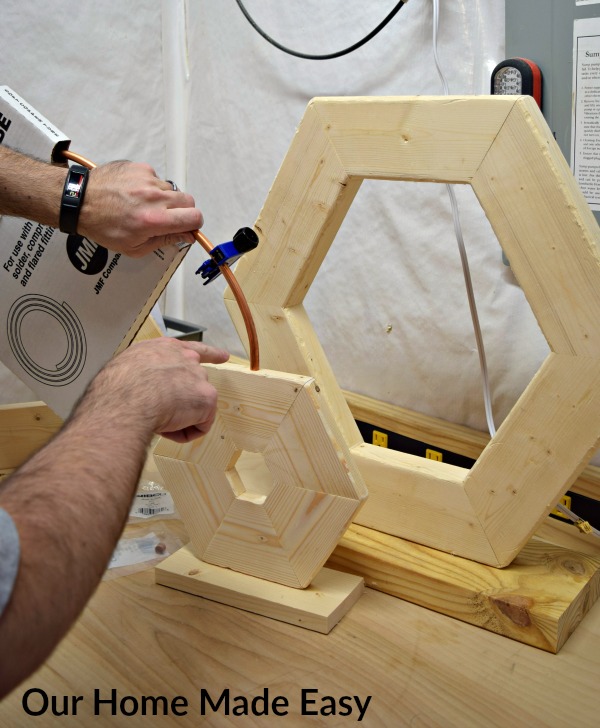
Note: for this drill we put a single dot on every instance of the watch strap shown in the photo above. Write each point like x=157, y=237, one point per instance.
x=72, y=198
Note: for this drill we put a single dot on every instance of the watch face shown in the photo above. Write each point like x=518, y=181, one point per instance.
x=508, y=81
x=73, y=188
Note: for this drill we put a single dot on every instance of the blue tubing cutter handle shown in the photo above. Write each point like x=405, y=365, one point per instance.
x=244, y=240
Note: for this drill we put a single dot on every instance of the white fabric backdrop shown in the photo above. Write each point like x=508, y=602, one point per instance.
x=395, y=262
x=389, y=303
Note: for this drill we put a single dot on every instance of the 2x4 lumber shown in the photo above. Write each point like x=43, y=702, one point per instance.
x=338, y=143
x=440, y=433
x=321, y=370
x=18, y=423
x=588, y=483
x=24, y=429
x=566, y=534
x=288, y=343
x=294, y=238
x=539, y=599
x=430, y=430
x=546, y=228
x=319, y=607
x=148, y=330
x=437, y=139
x=419, y=499
x=537, y=452
x=446, y=435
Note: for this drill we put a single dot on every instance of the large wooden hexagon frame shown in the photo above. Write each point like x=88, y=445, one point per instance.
x=503, y=148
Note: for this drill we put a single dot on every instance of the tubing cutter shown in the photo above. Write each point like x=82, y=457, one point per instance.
x=227, y=253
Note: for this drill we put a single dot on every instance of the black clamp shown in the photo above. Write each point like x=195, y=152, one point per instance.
x=227, y=253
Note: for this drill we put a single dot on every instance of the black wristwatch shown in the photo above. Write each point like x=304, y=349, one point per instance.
x=72, y=198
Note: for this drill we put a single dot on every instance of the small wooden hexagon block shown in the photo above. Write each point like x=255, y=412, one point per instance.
x=271, y=489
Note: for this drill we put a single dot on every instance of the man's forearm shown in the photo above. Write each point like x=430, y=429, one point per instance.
x=69, y=503
x=30, y=188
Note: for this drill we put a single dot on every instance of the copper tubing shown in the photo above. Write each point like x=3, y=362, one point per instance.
x=225, y=269
x=241, y=302
x=78, y=159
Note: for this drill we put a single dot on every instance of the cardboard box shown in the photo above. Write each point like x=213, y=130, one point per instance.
x=67, y=305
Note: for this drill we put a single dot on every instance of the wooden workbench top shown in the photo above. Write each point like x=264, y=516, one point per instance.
x=420, y=668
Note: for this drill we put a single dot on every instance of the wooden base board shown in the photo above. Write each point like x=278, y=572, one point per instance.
x=539, y=599
x=319, y=607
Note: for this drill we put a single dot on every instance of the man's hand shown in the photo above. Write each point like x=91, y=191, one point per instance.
x=128, y=209
x=162, y=383
x=70, y=500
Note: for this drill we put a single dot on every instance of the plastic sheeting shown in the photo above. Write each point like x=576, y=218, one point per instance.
x=389, y=302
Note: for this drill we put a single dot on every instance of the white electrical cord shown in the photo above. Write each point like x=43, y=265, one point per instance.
x=487, y=399
x=581, y=524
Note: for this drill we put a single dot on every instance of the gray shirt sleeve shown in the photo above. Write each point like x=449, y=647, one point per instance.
x=9, y=557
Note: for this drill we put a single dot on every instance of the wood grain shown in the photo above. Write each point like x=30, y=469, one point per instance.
x=539, y=599
x=24, y=429
x=319, y=607
x=546, y=227
x=420, y=667
x=284, y=529
x=444, y=435
x=537, y=452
